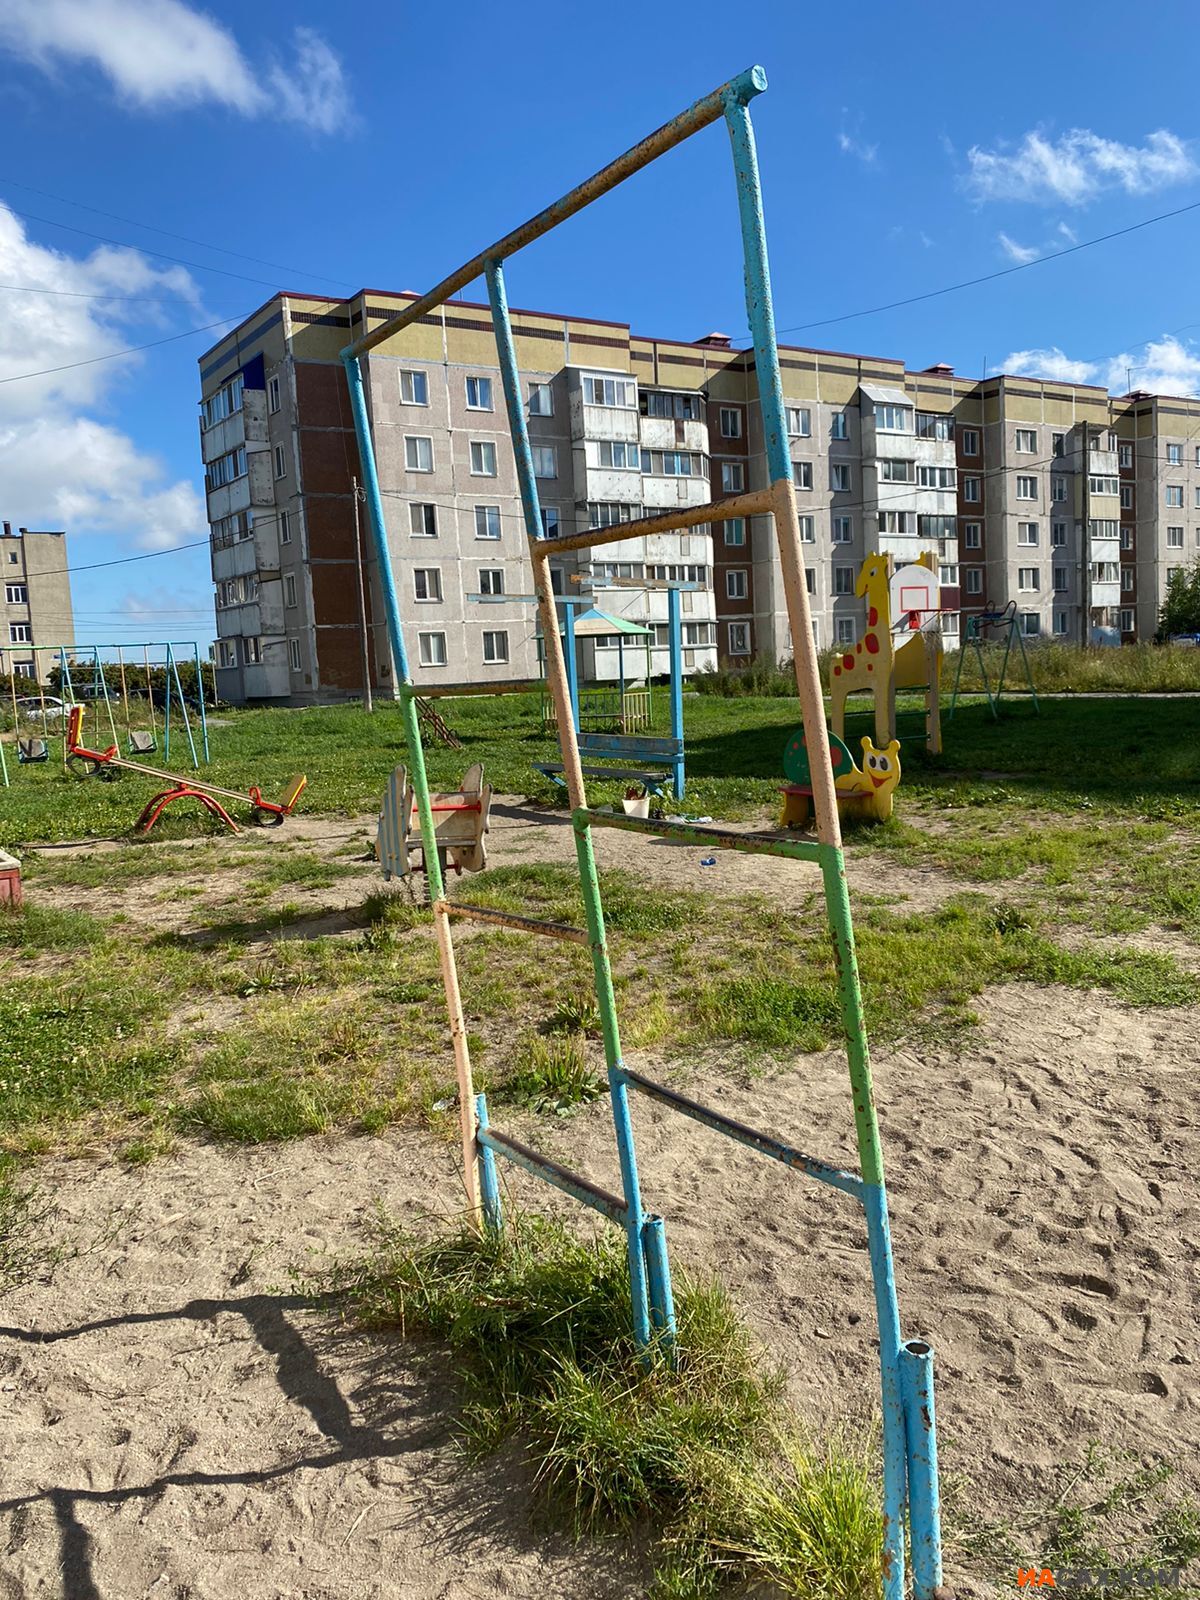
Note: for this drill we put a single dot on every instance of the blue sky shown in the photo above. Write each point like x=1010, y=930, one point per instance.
x=901, y=151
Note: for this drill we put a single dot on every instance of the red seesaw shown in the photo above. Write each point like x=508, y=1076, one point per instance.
x=108, y=765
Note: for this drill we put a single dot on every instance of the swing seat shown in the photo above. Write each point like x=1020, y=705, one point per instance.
x=31, y=750
x=142, y=744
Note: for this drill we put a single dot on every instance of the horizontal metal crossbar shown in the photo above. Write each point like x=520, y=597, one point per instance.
x=739, y=90
x=718, y=838
x=755, y=502
x=509, y=919
x=560, y=1177
x=766, y=1144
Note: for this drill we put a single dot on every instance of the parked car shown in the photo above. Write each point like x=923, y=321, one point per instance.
x=30, y=707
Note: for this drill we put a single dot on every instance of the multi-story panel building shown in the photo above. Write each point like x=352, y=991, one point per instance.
x=36, y=600
x=1057, y=498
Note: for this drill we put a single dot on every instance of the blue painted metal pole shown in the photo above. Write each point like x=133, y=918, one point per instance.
x=566, y=713
x=924, y=1509
x=572, y=664
x=658, y=1275
x=489, y=1184
x=895, y=1441
x=675, y=630
x=391, y=607
x=200, y=698
x=167, y=708
x=187, y=721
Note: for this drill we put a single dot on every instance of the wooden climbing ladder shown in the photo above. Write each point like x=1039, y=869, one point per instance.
x=910, y=1485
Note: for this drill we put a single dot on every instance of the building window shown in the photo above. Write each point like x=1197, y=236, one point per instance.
x=1127, y=580
x=948, y=574
x=739, y=638
x=422, y=520
x=1175, y=494
x=609, y=453
x=937, y=477
x=735, y=531
x=414, y=388
x=1058, y=534
x=950, y=623
x=487, y=522
x=1060, y=622
x=17, y=594
x=545, y=461
x=427, y=583
x=1027, y=488
x=550, y=524
x=970, y=442
x=252, y=652
x=431, y=649
x=893, y=419
x=613, y=392
x=1031, y=624
x=607, y=513
x=731, y=422
x=1174, y=454
x=808, y=530
x=839, y=478
x=483, y=458
x=1125, y=621
x=1060, y=580
x=280, y=462
x=479, y=394
x=418, y=453
x=1127, y=538
x=1027, y=440
x=843, y=580
x=844, y=630
x=931, y=426
x=1028, y=578
x=285, y=527
x=1125, y=455
x=971, y=491
x=897, y=522
x=972, y=535
x=1174, y=538
x=541, y=400
x=672, y=463
x=1098, y=485
x=974, y=577
x=810, y=580
x=802, y=474
x=495, y=647
x=735, y=584
x=733, y=477
x=799, y=422
x=1058, y=444
x=289, y=589
x=895, y=471
x=491, y=580
x=294, y=654
x=1058, y=487
x=227, y=653
x=273, y=393
x=1127, y=497
x=838, y=428
x=842, y=530
x=20, y=633
x=1027, y=533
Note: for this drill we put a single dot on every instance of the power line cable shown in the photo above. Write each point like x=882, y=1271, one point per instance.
x=83, y=294
x=113, y=355
x=183, y=238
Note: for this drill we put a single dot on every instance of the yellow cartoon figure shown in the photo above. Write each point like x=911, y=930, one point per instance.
x=863, y=792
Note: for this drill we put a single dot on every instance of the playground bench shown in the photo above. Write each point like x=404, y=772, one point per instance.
x=636, y=754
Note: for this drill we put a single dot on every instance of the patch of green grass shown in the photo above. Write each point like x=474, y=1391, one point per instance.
x=774, y=1012
x=293, y=870
x=575, y=1014
x=31, y=928
x=538, y=1325
x=553, y=1075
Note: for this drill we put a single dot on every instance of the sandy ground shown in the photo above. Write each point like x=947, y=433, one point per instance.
x=177, y=1426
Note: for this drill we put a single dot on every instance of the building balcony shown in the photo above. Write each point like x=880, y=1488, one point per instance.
x=664, y=493
x=1105, y=594
x=602, y=422
x=669, y=433
x=247, y=426
x=255, y=488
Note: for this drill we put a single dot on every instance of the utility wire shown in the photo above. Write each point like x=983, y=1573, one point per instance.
x=83, y=294
x=113, y=355
x=183, y=238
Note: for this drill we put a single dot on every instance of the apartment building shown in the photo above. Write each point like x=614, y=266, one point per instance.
x=37, y=600
x=1055, y=496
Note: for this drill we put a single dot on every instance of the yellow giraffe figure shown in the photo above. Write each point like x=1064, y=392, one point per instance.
x=878, y=664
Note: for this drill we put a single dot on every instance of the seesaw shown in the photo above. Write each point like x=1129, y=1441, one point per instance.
x=108, y=765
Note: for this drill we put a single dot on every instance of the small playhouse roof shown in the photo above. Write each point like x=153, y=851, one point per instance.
x=589, y=624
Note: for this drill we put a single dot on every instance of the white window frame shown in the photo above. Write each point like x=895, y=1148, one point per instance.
x=738, y=635
x=1026, y=434
x=733, y=477
x=487, y=521
x=433, y=591
x=1175, y=538
x=285, y=527
x=735, y=533
x=799, y=422
x=491, y=581
x=1030, y=624
x=802, y=474
x=974, y=580
x=970, y=441
x=841, y=529
x=540, y=390
x=545, y=455
x=20, y=633
x=294, y=660
x=1174, y=494
x=840, y=480
x=426, y=650
x=551, y=521
x=1058, y=535
x=273, y=400
x=478, y=379
x=1029, y=535
x=16, y=594
x=971, y=490
x=845, y=630
x=737, y=585
x=280, y=462
x=730, y=419
x=418, y=512
x=808, y=530
x=1029, y=580
x=494, y=659
x=973, y=536
x=839, y=426
x=1027, y=487
x=478, y=451
x=843, y=579
x=289, y=589
x=413, y=452
x=412, y=379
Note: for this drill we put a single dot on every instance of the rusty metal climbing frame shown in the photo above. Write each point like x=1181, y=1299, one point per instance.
x=910, y=1485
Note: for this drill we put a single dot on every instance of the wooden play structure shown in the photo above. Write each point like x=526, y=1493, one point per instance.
x=460, y=826
x=910, y=1529
x=900, y=649
x=863, y=793
x=108, y=765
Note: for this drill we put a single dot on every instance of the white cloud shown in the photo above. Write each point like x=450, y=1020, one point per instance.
x=851, y=145
x=162, y=54
x=1021, y=253
x=1077, y=167
x=1162, y=366
x=64, y=466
